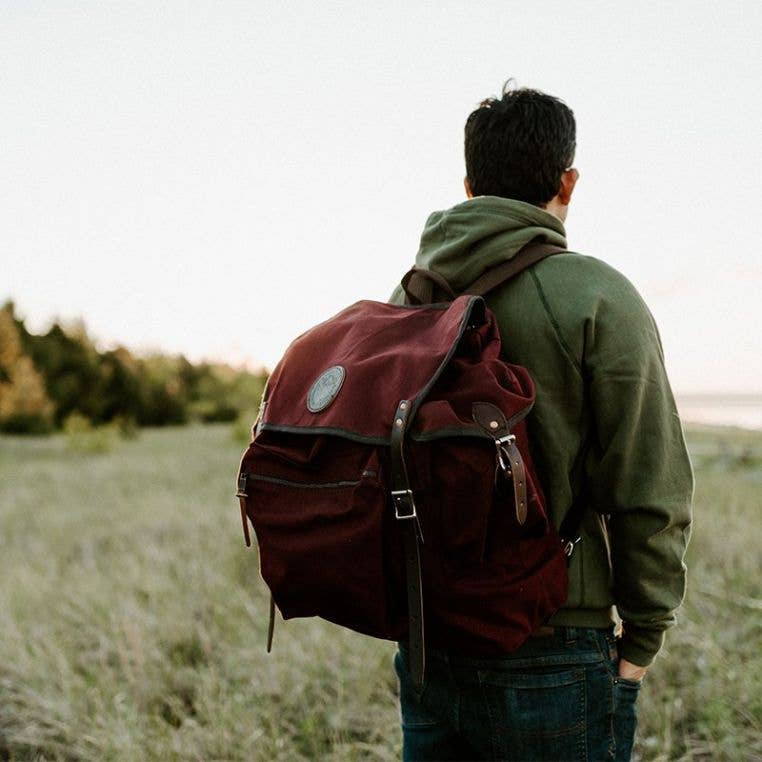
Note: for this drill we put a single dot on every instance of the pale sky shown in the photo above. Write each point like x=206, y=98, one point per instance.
x=213, y=178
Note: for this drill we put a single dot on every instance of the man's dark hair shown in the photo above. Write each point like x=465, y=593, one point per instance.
x=519, y=145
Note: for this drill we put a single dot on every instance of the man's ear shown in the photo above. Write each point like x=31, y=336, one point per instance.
x=568, y=181
x=467, y=186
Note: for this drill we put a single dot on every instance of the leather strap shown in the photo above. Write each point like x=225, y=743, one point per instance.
x=244, y=521
x=529, y=255
x=271, y=624
x=518, y=477
x=405, y=511
x=509, y=461
x=242, y=496
x=420, y=285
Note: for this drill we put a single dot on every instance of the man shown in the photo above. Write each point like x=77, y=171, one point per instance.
x=604, y=426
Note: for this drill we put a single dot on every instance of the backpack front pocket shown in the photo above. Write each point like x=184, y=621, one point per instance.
x=321, y=548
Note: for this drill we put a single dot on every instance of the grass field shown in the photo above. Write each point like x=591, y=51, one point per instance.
x=132, y=619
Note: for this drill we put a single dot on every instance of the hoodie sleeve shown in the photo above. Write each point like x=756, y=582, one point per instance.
x=641, y=473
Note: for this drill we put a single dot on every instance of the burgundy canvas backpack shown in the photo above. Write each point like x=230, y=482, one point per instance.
x=390, y=482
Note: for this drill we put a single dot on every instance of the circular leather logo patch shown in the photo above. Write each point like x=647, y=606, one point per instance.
x=323, y=392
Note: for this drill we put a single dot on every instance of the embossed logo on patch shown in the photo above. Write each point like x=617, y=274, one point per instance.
x=323, y=392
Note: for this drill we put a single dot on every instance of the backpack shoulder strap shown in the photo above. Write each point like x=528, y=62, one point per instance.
x=420, y=286
x=533, y=252
x=423, y=286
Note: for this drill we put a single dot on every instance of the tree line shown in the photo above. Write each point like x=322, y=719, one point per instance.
x=46, y=378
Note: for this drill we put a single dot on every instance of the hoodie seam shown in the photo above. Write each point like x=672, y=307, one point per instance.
x=556, y=328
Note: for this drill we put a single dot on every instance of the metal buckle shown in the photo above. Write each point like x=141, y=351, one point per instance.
x=503, y=458
x=569, y=546
x=242, y=479
x=403, y=499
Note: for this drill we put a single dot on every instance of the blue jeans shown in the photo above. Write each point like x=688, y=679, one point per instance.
x=558, y=697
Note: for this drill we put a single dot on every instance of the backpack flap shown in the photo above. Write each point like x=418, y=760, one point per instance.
x=346, y=376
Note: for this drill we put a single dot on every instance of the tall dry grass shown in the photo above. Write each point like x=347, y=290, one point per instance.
x=132, y=620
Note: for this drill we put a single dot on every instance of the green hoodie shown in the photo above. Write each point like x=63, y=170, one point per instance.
x=593, y=350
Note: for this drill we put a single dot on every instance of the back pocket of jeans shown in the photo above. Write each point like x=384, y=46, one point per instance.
x=536, y=715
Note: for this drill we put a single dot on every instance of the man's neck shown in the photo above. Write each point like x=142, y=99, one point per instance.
x=557, y=209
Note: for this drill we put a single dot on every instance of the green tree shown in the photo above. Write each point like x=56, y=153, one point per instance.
x=65, y=374
x=24, y=403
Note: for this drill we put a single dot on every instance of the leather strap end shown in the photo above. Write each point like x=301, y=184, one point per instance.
x=416, y=638
x=245, y=521
x=518, y=474
x=271, y=624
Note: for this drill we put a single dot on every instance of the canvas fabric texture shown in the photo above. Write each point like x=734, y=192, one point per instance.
x=593, y=350
x=315, y=480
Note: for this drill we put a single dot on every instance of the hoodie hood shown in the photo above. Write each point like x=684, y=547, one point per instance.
x=462, y=242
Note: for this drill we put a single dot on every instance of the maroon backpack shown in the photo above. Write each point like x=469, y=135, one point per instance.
x=389, y=479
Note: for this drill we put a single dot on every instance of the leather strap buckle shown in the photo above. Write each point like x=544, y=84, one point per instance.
x=503, y=457
x=569, y=546
x=404, y=505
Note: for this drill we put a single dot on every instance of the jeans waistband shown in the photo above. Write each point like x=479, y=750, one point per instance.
x=565, y=645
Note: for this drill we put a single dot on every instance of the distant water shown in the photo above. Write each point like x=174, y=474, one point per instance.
x=744, y=410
